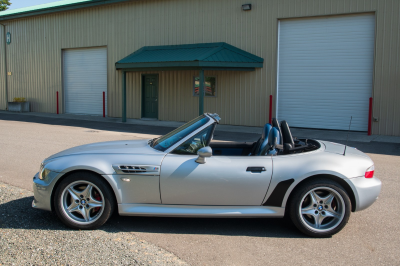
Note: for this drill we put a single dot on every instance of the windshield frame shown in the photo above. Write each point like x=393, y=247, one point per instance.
x=175, y=145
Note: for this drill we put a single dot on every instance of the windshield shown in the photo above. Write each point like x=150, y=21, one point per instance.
x=168, y=140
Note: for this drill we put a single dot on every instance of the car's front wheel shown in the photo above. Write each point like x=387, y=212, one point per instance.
x=83, y=200
x=320, y=208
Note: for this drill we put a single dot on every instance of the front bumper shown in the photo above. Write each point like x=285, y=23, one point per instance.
x=366, y=191
x=42, y=190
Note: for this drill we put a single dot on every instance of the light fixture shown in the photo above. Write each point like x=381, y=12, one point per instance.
x=246, y=7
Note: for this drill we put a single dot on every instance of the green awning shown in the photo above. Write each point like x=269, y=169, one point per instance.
x=201, y=56
x=206, y=56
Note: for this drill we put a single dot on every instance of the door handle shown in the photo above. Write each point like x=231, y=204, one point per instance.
x=256, y=169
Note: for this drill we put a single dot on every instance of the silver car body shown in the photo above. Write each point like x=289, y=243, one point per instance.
x=176, y=185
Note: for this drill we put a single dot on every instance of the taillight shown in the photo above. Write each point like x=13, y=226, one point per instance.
x=370, y=172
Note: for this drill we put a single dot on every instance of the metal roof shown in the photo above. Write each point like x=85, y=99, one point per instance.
x=201, y=55
x=58, y=6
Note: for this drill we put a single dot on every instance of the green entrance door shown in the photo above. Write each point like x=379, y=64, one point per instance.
x=150, y=96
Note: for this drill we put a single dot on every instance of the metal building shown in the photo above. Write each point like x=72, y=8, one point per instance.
x=319, y=62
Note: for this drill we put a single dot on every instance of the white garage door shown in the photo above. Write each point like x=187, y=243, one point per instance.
x=325, y=71
x=85, y=80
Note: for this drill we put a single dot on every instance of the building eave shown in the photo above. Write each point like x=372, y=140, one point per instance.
x=48, y=9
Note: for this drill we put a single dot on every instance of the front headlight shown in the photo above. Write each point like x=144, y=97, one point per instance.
x=43, y=172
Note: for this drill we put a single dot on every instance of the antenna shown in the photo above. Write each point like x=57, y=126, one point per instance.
x=347, y=140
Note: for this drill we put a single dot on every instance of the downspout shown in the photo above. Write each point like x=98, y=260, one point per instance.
x=5, y=64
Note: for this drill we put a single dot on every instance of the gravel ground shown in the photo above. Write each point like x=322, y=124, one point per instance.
x=35, y=237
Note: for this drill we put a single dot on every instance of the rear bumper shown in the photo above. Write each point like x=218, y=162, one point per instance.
x=366, y=191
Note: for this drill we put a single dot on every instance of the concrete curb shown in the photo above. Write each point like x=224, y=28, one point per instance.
x=298, y=132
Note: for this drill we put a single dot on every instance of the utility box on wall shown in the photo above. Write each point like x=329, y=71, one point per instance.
x=19, y=106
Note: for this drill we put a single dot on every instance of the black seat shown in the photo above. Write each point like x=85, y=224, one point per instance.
x=289, y=144
x=287, y=136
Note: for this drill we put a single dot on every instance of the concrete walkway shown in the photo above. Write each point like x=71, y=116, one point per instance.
x=297, y=132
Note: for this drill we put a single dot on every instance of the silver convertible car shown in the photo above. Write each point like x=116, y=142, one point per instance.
x=183, y=174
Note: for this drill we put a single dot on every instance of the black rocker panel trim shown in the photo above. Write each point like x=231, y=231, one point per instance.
x=276, y=197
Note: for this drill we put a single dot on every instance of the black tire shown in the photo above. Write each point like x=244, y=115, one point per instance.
x=103, y=194
x=308, y=223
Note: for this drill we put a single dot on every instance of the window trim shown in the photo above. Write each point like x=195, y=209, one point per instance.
x=156, y=142
x=216, y=87
x=173, y=147
x=207, y=143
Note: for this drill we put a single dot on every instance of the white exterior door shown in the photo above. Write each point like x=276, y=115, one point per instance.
x=325, y=71
x=85, y=80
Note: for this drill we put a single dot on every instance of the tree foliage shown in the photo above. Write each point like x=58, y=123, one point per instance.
x=4, y=4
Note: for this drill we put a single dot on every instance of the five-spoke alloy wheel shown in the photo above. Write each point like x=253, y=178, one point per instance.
x=320, y=208
x=84, y=200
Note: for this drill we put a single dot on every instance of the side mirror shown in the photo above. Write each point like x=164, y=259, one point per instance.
x=203, y=154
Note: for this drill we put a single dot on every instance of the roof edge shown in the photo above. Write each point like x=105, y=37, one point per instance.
x=198, y=64
x=48, y=9
x=247, y=69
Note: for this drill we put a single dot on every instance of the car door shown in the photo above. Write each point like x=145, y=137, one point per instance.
x=222, y=180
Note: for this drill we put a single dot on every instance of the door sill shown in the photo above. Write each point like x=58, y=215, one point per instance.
x=161, y=210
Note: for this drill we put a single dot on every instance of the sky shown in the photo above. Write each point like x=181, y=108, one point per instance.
x=24, y=3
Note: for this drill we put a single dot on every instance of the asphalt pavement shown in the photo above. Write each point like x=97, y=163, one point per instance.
x=28, y=236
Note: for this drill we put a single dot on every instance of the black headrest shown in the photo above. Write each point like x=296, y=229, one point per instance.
x=286, y=134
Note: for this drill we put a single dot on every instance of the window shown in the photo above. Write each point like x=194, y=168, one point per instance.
x=210, y=88
x=195, y=143
x=166, y=141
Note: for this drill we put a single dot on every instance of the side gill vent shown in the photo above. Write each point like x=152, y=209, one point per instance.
x=132, y=169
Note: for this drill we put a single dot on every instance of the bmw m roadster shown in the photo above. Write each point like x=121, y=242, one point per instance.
x=317, y=184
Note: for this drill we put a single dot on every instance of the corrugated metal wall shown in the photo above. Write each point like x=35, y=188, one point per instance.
x=34, y=56
x=235, y=95
x=3, y=102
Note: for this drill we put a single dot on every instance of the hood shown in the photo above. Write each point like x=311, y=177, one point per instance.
x=110, y=147
x=339, y=149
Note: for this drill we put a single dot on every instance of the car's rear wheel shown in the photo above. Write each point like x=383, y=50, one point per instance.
x=84, y=200
x=320, y=208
